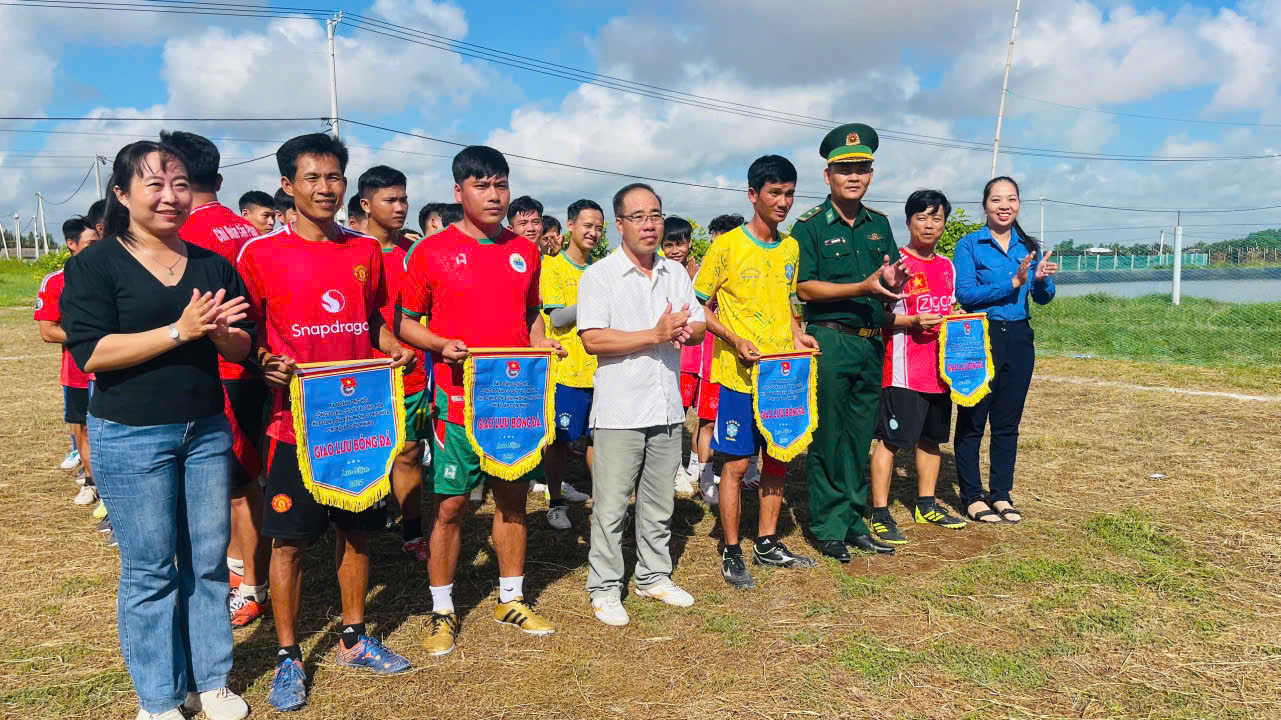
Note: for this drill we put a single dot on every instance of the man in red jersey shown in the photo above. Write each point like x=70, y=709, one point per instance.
x=216, y=227
x=78, y=234
x=385, y=203
x=317, y=288
x=477, y=283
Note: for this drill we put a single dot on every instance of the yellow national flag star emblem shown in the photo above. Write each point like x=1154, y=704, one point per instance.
x=874, y=237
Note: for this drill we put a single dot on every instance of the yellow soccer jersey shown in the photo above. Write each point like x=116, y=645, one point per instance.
x=558, y=286
x=752, y=282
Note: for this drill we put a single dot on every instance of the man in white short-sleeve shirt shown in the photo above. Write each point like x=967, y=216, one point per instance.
x=635, y=310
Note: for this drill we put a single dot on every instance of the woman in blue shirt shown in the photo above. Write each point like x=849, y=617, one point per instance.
x=995, y=275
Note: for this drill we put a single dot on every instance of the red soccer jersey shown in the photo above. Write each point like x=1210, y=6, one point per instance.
x=47, y=308
x=477, y=291
x=394, y=278
x=313, y=301
x=213, y=226
x=912, y=357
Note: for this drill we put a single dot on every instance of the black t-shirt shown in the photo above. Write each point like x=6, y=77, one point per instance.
x=108, y=291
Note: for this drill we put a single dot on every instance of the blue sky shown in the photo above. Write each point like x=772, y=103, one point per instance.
x=920, y=67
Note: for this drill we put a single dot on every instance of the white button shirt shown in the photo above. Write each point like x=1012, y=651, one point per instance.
x=640, y=389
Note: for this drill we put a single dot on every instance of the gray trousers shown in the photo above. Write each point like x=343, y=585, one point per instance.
x=651, y=454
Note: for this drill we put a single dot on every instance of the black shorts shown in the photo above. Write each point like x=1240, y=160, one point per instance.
x=246, y=402
x=75, y=405
x=291, y=513
x=907, y=417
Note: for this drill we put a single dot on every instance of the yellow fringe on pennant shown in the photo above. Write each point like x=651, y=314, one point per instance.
x=798, y=446
x=526, y=464
x=328, y=496
x=981, y=392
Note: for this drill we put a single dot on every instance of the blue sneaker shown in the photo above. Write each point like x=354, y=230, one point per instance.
x=370, y=654
x=288, y=686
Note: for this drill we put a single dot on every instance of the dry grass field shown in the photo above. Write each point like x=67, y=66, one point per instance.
x=1121, y=595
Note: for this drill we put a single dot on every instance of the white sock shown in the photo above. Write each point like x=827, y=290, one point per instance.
x=257, y=593
x=510, y=588
x=442, y=598
x=236, y=566
x=694, y=467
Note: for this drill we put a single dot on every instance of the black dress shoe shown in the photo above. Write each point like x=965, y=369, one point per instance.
x=867, y=543
x=834, y=549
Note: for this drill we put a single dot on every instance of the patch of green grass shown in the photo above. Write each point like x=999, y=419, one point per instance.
x=62, y=698
x=877, y=662
x=1195, y=332
x=714, y=598
x=34, y=658
x=1064, y=597
x=859, y=586
x=987, y=667
x=78, y=585
x=805, y=637
x=1111, y=620
x=730, y=626
x=1131, y=533
x=20, y=280
x=815, y=609
x=1167, y=567
x=1002, y=573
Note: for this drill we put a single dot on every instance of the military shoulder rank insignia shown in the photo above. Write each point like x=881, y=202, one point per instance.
x=809, y=213
x=878, y=212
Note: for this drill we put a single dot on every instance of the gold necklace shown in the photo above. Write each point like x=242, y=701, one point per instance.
x=157, y=261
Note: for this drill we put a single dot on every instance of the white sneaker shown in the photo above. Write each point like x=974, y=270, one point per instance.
x=175, y=714
x=220, y=704
x=684, y=482
x=609, y=610
x=707, y=488
x=71, y=460
x=87, y=495
x=558, y=517
x=80, y=477
x=538, y=489
x=571, y=494
x=478, y=495
x=668, y=593
x=751, y=478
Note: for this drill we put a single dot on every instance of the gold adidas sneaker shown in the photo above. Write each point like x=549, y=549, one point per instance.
x=519, y=614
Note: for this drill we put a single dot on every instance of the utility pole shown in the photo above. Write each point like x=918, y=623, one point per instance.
x=1161, y=252
x=17, y=234
x=44, y=232
x=331, y=26
x=4, y=242
x=1041, y=237
x=1176, y=289
x=98, y=162
x=1005, y=84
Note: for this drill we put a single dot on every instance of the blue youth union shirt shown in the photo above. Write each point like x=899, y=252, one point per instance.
x=985, y=277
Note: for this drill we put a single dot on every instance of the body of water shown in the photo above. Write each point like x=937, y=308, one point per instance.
x=1238, y=290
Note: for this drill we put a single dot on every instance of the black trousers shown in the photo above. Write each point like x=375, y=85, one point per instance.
x=1013, y=356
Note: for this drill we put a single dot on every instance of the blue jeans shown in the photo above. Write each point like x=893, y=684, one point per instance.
x=168, y=493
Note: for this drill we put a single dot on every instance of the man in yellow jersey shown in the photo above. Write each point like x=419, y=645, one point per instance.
x=751, y=273
x=558, y=286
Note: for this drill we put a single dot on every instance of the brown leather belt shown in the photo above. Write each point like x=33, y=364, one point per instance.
x=847, y=329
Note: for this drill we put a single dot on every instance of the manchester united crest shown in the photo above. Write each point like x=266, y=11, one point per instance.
x=362, y=274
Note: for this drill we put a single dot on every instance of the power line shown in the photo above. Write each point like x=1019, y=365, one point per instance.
x=246, y=162
x=1163, y=210
x=480, y=52
x=78, y=188
x=1142, y=116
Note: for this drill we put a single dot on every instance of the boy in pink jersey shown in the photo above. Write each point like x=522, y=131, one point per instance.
x=916, y=410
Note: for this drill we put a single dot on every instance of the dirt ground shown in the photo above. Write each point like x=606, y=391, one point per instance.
x=1141, y=584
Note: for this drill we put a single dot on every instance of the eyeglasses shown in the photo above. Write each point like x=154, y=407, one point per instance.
x=640, y=218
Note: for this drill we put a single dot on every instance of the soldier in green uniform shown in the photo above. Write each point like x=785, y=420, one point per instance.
x=846, y=279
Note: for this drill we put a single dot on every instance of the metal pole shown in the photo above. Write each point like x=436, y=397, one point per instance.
x=1161, y=252
x=332, y=25
x=17, y=234
x=97, y=174
x=1040, y=237
x=44, y=232
x=4, y=242
x=1005, y=84
x=1176, y=291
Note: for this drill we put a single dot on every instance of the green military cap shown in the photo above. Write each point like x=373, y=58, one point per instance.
x=850, y=143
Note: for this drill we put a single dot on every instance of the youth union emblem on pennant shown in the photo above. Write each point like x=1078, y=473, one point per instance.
x=348, y=386
x=513, y=369
x=785, y=367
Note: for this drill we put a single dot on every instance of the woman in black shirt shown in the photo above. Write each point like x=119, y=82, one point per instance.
x=149, y=315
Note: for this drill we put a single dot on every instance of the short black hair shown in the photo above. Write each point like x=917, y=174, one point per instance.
x=923, y=200
x=479, y=161
x=770, y=169
x=550, y=222
x=425, y=213
x=580, y=205
x=198, y=154
x=310, y=144
x=283, y=201
x=521, y=205
x=618, y=196
x=451, y=213
x=96, y=211
x=724, y=223
x=676, y=229
x=73, y=227
x=256, y=197
x=379, y=177
x=354, y=210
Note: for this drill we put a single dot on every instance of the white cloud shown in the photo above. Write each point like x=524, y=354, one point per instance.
x=438, y=18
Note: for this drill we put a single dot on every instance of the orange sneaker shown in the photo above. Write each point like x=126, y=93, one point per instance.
x=245, y=610
x=234, y=580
